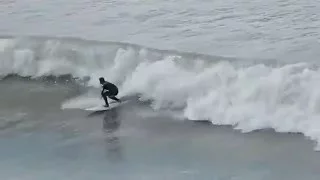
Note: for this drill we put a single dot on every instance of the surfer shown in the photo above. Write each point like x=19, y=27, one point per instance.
x=108, y=90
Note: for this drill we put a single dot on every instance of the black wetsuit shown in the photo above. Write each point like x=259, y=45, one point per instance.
x=109, y=90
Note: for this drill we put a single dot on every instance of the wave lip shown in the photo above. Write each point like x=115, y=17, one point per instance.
x=247, y=96
x=284, y=99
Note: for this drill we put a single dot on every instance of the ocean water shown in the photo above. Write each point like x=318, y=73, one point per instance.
x=217, y=89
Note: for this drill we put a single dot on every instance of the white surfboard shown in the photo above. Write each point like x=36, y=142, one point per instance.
x=102, y=107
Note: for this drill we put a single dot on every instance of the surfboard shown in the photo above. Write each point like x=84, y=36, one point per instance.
x=103, y=108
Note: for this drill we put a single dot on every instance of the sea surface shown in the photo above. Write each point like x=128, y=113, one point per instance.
x=217, y=90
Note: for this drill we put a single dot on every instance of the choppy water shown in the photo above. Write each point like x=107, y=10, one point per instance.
x=252, y=65
x=238, y=28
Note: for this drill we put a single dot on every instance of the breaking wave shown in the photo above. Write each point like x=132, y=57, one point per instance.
x=248, y=96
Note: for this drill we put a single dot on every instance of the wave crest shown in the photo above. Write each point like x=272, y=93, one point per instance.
x=249, y=97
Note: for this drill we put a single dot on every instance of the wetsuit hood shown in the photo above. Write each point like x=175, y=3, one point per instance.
x=101, y=79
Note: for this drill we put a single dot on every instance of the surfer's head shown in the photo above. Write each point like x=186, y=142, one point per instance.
x=101, y=79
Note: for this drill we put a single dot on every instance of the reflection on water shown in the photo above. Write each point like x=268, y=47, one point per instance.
x=111, y=124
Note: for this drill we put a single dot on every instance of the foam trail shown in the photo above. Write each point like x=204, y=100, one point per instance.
x=81, y=102
x=258, y=96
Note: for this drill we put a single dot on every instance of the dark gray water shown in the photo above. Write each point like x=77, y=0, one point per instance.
x=134, y=142
x=235, y=28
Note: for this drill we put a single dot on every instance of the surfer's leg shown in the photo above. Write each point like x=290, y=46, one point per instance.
x=105, y=100
x=112, y=95
x=114, y=98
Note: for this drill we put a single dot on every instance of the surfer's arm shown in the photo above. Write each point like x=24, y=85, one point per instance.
x=104, y=90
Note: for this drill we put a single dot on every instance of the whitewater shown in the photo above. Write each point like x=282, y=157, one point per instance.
x=248, y=97
x=219, y=89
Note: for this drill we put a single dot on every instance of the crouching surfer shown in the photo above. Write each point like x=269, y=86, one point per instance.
x=108, y=90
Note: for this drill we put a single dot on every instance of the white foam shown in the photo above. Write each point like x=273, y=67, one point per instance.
x=81, y=102
x=257, y=97
x=285, y=98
